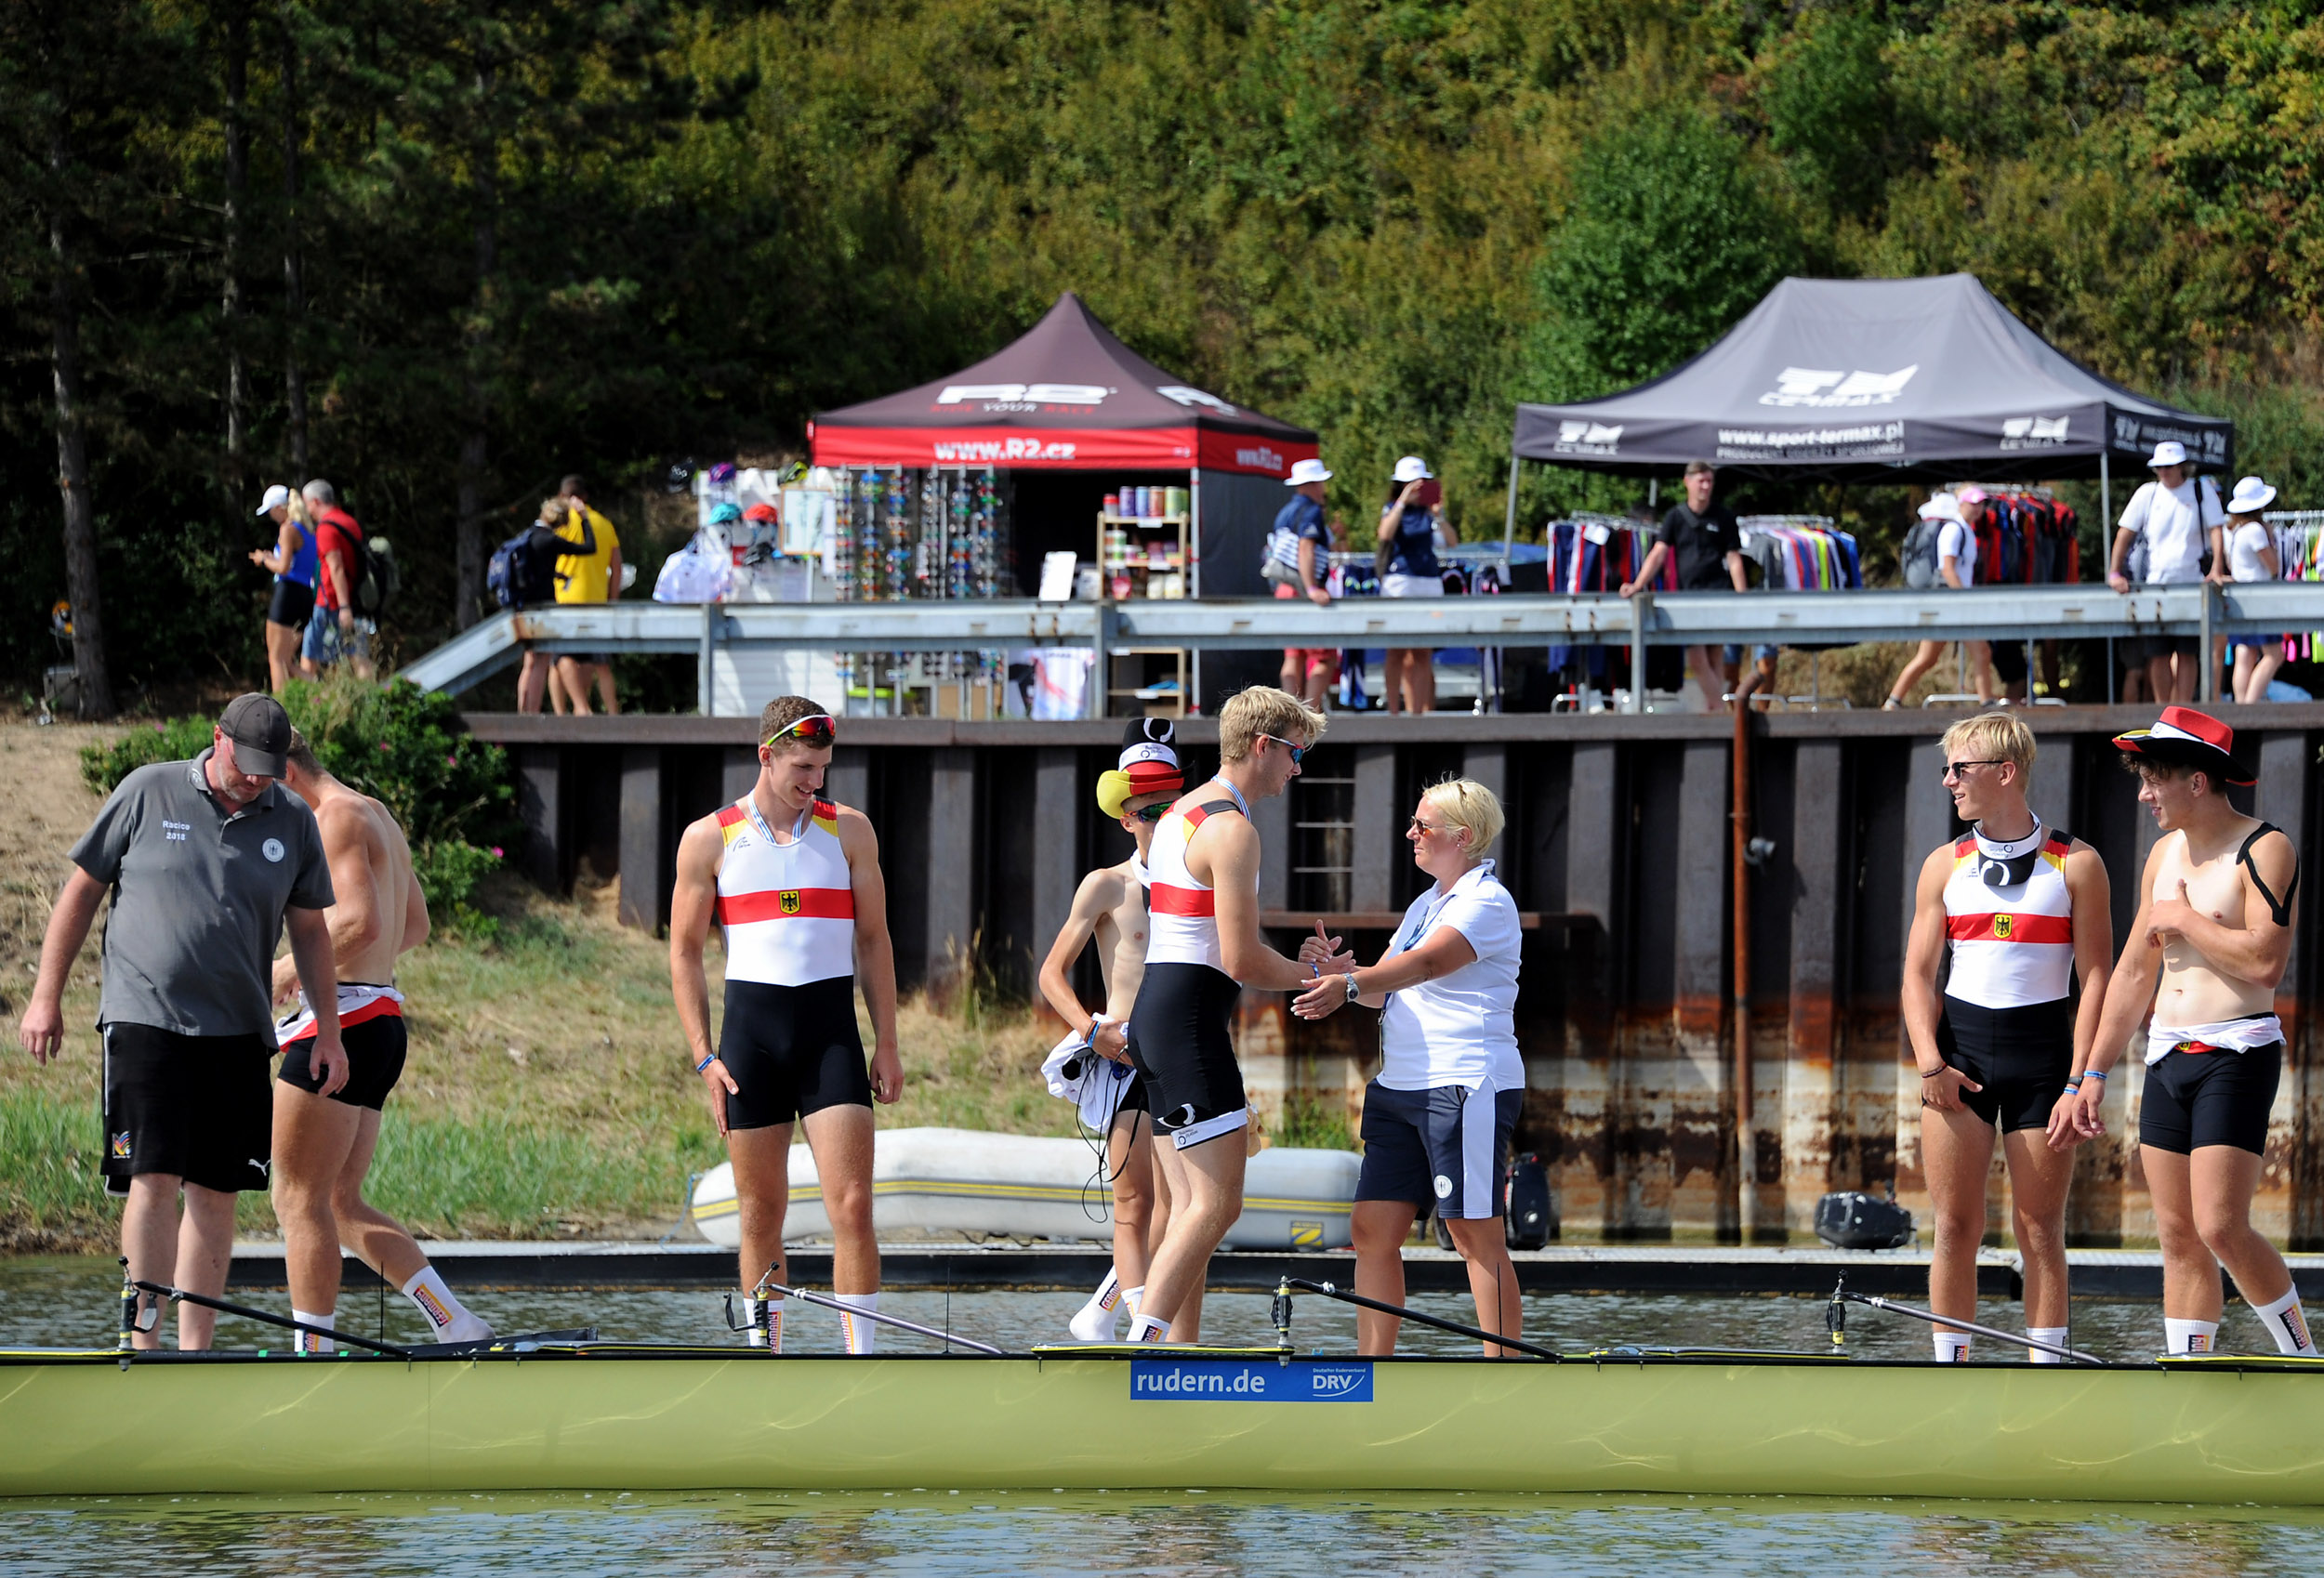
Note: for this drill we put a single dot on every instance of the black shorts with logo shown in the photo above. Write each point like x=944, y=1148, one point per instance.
x=1186, y=1058
x=200, y=1108
x=793, y=1050
x=2022, y=1055
x=2223, y=1096
x=375, y=1062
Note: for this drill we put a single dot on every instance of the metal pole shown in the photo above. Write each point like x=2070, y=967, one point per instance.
x=1641, y=605
x=2105, y=506
x=2205, y=692
x=1093, y=702
x=1509, y=521
x=1188, y=706
x=702, y=663
x=1746, y=1143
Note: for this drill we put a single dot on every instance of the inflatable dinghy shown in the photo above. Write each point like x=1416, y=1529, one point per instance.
x=1015, y=1186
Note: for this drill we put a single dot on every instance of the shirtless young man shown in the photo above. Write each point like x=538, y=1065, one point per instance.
x=1110, y=907
x=1203, y=947
x=2020, y=910
x=2210, y=942
x=323, y=1143
x=794, y=882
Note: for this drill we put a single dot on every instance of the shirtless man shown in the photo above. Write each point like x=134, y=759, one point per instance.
x=1203, y=947
x=1109, y=906
x=794, y=882
x=325, y=1137
x=2213, y=937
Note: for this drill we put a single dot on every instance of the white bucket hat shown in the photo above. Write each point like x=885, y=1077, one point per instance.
x=2252, y=496
x=276, y=496
x=1412, y=469
x=1306, y=471
x=1942, y=506
x=2168, y=453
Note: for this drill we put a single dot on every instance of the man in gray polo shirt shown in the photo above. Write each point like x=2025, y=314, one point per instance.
x=208, y=862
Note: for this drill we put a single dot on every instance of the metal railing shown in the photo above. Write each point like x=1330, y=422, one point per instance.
x=2088, y=610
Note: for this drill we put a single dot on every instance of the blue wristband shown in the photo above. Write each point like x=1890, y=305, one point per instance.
x=2094, y=1073
x=706, y=1062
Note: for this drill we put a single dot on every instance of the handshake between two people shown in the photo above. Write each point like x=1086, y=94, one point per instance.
x=1330, y=991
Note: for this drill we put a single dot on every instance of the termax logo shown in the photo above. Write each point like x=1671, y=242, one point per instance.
x=2034, y=432
x=1814, y=387
x=1200, y=1380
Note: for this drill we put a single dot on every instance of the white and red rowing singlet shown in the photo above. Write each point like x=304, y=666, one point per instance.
x=358, y=1002
x=1181, y=915
x=2012, y=943
x=788, y=909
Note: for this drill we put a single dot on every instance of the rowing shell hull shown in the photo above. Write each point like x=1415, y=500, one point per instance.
x=703, y=1418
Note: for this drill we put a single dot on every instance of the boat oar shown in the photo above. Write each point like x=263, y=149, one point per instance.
x=1837, y=1320
x=1282, y=1291
x=898, y=1322
x=158, y=1290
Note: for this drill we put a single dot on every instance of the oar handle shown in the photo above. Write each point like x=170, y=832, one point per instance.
x=896, y=1321
x=270, y=1318
x=1328, y=1291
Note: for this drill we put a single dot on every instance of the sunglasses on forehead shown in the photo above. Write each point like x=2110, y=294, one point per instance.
x=815, y=728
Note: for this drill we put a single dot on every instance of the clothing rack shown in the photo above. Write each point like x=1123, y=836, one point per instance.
x=2299, y=538
x=1801, y=553
x=2027, y=537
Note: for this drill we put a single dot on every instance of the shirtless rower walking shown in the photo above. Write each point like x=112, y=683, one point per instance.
x=795, y=885
x=324, y=1144
x=2210, y=942
x=1204, y=947
x=1110, y=907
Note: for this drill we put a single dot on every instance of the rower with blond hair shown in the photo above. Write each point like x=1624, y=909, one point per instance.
x=2014, y=910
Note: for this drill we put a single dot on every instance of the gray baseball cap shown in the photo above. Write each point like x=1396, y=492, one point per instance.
x=261, y=732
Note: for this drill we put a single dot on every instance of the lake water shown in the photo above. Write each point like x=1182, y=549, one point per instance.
x=73, y=1301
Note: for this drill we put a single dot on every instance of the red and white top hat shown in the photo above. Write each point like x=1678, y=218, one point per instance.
x=2182, y=734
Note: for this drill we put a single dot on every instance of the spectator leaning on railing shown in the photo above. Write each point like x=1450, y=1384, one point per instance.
x=2173, y=515
x=2247, y=550
x=590, y=576
x=1707, y=543
x=1410, y=532
x=1957, y=567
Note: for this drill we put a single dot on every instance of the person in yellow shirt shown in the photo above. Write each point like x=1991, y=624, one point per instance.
x=585, y=578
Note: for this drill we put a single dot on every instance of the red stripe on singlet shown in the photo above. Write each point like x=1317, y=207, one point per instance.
x=1164, y=899
x=2021, y=928
x=806, y=904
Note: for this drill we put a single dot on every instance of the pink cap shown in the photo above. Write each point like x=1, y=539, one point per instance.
x=1971, y=495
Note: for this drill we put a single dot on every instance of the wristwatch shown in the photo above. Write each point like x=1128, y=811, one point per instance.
x=1353, y=993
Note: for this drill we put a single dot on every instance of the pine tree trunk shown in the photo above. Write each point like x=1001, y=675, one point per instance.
x=294, y=288
x=235, y=70
x=80, y=515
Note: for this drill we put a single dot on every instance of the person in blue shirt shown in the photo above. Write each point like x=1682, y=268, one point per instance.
x=1299, y=551
x=1410, y=533
x=293, y=599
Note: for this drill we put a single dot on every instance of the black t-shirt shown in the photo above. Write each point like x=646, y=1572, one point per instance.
x=1702, y=544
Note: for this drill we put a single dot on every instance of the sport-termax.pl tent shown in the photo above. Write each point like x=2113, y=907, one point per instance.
x=1875, y=380
x=1066, y=396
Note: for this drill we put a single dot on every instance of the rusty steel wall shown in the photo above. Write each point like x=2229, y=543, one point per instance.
x=1618, y=843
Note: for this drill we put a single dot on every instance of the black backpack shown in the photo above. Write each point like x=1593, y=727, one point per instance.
x=376, y=578
x=521, y=575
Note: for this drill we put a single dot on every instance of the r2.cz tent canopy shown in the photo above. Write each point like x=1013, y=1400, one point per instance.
x=1066, y=396
x=1874, y=381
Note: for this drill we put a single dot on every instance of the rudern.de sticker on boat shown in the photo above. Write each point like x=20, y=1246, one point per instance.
x=1266, y=1380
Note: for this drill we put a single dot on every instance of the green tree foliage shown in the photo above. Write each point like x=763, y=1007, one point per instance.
x=535, y=236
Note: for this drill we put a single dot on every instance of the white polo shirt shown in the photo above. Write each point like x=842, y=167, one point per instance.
x=1459, y=1029
x=2176, y=533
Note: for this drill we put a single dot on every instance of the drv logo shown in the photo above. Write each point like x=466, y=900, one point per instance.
x=1242, y=1380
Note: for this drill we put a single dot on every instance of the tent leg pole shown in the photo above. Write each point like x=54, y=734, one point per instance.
x=1509, y=521
x=2105, y=502
x=702, y=663
x=2109, y=671
x=1641, y=604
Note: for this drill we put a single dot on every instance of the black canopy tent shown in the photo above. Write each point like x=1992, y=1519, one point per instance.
x=1873, y=381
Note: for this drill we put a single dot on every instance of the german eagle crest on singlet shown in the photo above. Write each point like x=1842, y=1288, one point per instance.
x=789, y=902
x=2001, y=927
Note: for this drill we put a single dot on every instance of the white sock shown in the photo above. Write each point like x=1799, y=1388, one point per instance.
x=450, y=1318
x=859, y=1333
x=2054, y=1335
x=2286, y=1322
x=2189, y=1336
x=766, y=1323
x=306, y=1342
x=1133, y=1298
x=1952, y=1347
x=1145, y=1328
x=1094, y=1320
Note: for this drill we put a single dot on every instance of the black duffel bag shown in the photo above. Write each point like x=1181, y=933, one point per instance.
x=1525, y=1219
x=1855, y=1220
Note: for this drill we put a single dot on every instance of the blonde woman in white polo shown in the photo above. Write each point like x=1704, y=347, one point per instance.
x=1437, y=1118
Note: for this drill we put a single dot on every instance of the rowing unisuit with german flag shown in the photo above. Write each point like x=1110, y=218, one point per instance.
x=787, y=908
x=2008, y=1020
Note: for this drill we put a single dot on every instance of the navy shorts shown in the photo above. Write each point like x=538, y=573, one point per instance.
x=1446, y=1147
x=2220, y=1098
x=793, y=1050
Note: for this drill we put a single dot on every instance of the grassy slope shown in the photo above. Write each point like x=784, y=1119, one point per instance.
x=547, y=1092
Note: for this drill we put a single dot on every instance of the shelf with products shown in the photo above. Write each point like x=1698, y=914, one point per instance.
x=1148, y=680
x=1144, y=555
